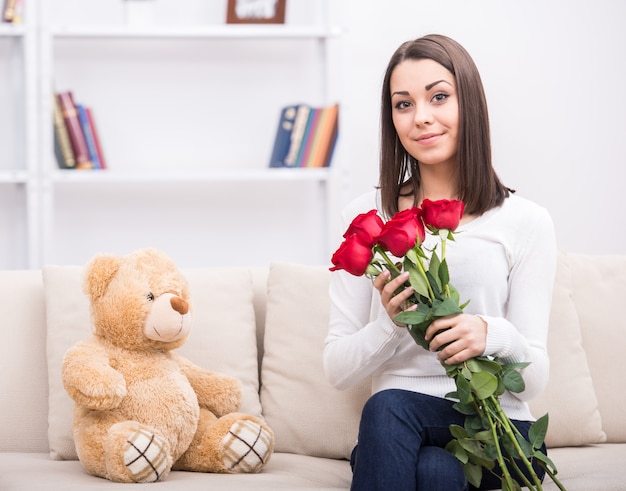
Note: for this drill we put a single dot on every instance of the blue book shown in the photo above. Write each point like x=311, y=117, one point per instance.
x=89, y=139
x=283, y=135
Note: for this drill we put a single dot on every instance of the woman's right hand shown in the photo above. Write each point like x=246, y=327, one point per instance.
x=393, y=302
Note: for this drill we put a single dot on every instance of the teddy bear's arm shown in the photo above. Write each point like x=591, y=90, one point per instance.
x=216, y=392
x=89, y=379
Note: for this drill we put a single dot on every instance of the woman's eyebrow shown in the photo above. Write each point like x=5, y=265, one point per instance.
x=430, y=86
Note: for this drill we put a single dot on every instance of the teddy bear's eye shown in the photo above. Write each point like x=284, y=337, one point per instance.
x=150, y=297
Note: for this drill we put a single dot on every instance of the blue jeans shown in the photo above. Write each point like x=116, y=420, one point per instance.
x=402, y=436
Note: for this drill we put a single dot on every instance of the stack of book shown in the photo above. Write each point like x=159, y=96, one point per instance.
x=306, y=136
x=12, y=11
x=76, y=141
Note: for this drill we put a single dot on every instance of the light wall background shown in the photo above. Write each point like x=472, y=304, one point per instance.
x=554, y=72
x=555, y=77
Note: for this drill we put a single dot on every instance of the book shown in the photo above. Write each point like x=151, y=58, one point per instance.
x=299, y=126
x=326, y=138
x=96, y=138
x=283, y=135
x=330, y=148
x=309, y=136
x=87, y=133
x=70, y=116
x=62, y=145
x=18, y=11
x=8, y=12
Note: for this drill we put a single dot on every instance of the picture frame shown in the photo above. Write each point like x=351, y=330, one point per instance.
x=256, y=11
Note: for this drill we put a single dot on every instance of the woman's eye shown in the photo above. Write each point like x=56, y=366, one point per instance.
x=402, y=105
x=440, y=97
x=150, y=297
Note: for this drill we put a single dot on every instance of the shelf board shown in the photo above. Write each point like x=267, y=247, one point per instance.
x=207, y=176
x=228, y=31
x=13, y=176
x=11, y=30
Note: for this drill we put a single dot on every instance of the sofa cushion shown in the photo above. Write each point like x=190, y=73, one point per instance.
x=307, y=414
x=599, y=283
x=23, y=387
x=569, y=398
x=223, y=337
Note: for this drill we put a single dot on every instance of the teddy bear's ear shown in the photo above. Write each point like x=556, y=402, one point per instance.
x=99, y=273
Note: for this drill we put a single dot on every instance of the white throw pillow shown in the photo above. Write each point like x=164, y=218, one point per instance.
x=599, y=283
x=569, y=399
x=223, y=337
x=307, y=414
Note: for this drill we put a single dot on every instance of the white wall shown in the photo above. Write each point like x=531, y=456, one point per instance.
x=554, y=73
x=555, y=77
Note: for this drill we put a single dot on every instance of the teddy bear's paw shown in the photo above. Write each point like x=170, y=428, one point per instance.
x=247, y=446
x=146, y=456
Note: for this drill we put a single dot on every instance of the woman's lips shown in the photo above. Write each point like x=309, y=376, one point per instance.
x=428, y=138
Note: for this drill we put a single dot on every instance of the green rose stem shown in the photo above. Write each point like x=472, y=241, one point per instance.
x=501, y=463
x=504, y=421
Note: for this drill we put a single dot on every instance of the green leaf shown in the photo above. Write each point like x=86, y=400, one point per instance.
x=413, y=317
x=484, y=384
x=434, y=265
x=411, y=255
x=482, y=364
x=473, y=474
x=515, y=366
x=513, y=487
x=525, y=446
x=458, y=431
x=513, y=381
x=545, y=459
x=538, y=430
x=434, y=284
x=445, y=307
x=464, y=408
x=484, y=436
x=444, y=275
x=455, y=449
x=418, y=282
x=463, y=389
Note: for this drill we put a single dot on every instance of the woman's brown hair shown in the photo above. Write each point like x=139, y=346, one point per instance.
x=479, y=186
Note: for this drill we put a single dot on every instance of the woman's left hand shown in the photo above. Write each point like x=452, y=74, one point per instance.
x=458, y=338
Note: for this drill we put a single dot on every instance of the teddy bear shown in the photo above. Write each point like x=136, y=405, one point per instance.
x=140, y=409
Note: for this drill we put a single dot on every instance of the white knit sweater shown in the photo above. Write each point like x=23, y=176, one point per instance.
x=503, y=261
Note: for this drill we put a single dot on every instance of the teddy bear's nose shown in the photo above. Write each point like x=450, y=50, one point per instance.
x=179, y=305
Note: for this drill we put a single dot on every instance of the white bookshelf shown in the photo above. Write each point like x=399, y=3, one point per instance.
x=209, y=171
x=19, y=176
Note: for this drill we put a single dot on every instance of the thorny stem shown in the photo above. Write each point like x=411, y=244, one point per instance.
x=501, y=462
x=507, y=428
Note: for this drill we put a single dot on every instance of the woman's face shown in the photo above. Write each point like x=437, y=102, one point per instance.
x=425, y=111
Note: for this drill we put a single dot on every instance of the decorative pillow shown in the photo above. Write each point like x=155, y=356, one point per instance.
x=569, y=399
x=599, y=283
x=307, y=414
x=223, y=337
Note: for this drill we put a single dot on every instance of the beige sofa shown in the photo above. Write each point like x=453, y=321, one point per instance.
x=269, y=324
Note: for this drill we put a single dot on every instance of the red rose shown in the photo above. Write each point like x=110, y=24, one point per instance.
x=367, y=226
x=443, y=214
x=353, y=255
x=402, y=232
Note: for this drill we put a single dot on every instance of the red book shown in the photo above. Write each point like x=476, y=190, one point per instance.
x=77, y=138
x=96, y=138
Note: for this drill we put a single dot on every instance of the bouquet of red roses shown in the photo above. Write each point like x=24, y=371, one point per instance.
x=488, y=439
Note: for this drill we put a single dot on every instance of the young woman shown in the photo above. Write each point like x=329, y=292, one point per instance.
x=435, y=144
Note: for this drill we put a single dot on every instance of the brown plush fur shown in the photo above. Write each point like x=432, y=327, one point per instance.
x=141, y=409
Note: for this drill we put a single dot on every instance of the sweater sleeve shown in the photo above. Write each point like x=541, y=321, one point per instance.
x=358, y=342
x=355, y=347
x=522, y=335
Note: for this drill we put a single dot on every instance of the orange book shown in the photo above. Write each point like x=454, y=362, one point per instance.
x=324, y=142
